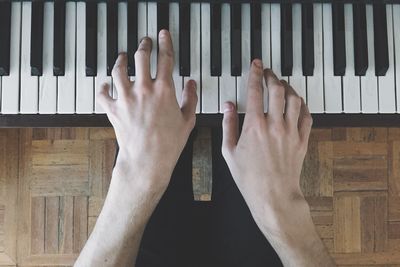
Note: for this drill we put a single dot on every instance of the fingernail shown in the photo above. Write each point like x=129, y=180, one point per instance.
x=258, y=63
x=141, y=40
x=163, y=33
x=192, y=84
x=228, y=107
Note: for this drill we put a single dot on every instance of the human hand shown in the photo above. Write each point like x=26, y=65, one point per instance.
x=266, y=160
x=150, y=126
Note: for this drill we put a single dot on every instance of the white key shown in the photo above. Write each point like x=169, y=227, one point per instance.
x=209, y=88
x=29, y=84
x=122, y=27
x=351, y=83
x=396, y=22
x=84, y=85
x=174, y=30
x=227, y=82
x=66, y=83
x=10, y=84
x=315, y=83
x=48, y=82
x=195, y=50
x=332, y=83
x=101, y=53
x=369, y=82
x=142, y=22
x=276, y=40
x=266, y=43
x=297, y=80
x=241, y=86
x=152, y=33
x=122, y=34
x=386, y=84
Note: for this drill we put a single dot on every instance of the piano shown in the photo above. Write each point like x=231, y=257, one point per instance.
x=342, y=57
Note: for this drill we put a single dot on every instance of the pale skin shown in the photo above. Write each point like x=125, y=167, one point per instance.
x=151, y=127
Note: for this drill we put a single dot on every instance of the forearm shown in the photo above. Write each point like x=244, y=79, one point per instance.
x=294, y=237
x=129, y=204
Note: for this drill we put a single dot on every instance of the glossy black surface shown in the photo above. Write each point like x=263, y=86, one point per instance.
x=381, y=40
x=37, y=38
x=236, y=40
x=132, y=35
x=112, y=34
x=215, y=31
x=339, y=40
x=59, y=38
x=91, y=38
x=360, y=39
x=5, y=37
x=286, y=40
x=307, y=40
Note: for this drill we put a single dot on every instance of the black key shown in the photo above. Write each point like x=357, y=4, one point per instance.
x=360, y=39
x=162, y=18
x=132, y=35
x=286, y=40
x=339, y=40
x=59, y=38
x=5, y=37
x=91, y=38
x=112, y=34
x=215, y=28
x=255, y=42
x=236, y=39
x=381, y=40
x=37, y=38
x=184, y=39
x=307, y=39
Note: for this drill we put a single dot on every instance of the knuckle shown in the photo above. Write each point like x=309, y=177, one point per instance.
x=140, y=53
x=117, y=70
x=277, y=90
x=168, y=53
x=226, y=151
x=191, y=122
x=296, y=100
x=278, y=129
x=255, y=121
x=308, y=120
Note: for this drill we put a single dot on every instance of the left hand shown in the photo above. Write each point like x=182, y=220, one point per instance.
x=151, y=127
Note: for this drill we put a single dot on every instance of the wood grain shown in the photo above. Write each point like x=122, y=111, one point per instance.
x=53, y=183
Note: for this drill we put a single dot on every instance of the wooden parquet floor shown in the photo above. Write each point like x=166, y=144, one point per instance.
x=53, y=183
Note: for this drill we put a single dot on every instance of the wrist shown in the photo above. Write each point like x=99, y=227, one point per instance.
x=283, y=220
x=141, y=172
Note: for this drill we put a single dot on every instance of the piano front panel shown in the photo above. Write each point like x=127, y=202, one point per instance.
x=218, y=40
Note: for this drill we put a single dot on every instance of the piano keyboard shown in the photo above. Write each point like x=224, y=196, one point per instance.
x=339, y=57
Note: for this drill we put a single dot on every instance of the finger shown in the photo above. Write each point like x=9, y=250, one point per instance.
x=142, y=60
x=305, y=122
x=230, y=128
x=165, y=65
x=189, y=99
x=104, y=98
x=120, y=74
x=255, y=100
x=292, y=107
x=276, y=95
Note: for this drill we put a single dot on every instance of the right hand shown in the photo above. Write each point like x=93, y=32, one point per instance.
x=267, y=159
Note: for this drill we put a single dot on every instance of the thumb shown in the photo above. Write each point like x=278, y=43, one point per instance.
x=230, y=128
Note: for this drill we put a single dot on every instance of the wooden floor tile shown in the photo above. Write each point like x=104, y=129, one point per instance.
x=53, y=183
